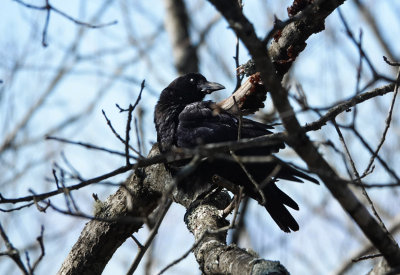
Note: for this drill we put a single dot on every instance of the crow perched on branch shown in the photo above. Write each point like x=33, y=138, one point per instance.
x=183, y=120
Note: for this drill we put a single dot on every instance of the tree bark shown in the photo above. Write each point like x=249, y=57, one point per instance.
x=135, y=201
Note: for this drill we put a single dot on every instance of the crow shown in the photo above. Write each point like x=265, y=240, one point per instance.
x=183, y=120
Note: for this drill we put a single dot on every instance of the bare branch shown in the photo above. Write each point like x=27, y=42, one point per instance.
x=48, y=8
x=12, y=252
x=90, y=146
x=387, y=123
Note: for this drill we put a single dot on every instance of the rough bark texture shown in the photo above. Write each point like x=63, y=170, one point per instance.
x=291, y=41
x=212, y=253
x=297, y=139
x=99, y=239
x=137, y=199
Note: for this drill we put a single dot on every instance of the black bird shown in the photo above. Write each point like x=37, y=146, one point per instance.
x=182, y=119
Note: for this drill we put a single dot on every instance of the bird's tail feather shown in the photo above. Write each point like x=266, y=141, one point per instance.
x=275, y=201
x=282, y=216
x=282, y=197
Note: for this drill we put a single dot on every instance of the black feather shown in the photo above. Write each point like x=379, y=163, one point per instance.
x=182, y=119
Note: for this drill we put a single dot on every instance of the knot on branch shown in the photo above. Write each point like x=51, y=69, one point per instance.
x=298, y=6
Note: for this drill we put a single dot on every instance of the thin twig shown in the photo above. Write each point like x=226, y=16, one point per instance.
x=369, y=148
x=73, y=170
x=391, y=63
x=46, y=26
x=344, y=105
x=89, y=146
x=358, y=77
x=240, y=224
x=387, y=123
x=50, y=7
x=142, y=250
x=12, y=252
x=239, y=134
x=358, y=45
x=249, y=176
x=140, y=94
x=117, y=135
x=127, y=134
x=42, y=250
x=128, y=125
x=121, y=219
x=17, y=208
x=40, y=197
x=366, y=257
x=358, y=180
x=137, y=242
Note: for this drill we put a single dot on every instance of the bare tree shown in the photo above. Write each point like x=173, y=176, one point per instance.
x=328, y=70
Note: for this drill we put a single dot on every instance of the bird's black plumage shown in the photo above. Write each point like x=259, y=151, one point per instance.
x=182, y=119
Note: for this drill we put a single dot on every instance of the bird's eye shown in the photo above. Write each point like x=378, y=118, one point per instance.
x=191, y=80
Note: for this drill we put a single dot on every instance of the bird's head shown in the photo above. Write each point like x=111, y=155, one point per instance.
x=190, y=88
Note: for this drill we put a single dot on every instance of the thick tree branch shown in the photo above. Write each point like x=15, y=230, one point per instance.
x=211, y=251
x=291, y=40
x=139, y=196
x=100, y=239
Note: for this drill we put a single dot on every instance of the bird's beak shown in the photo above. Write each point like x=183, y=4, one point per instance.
x=209, y=87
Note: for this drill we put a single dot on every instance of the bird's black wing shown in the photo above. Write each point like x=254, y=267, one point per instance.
x=202, y=123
